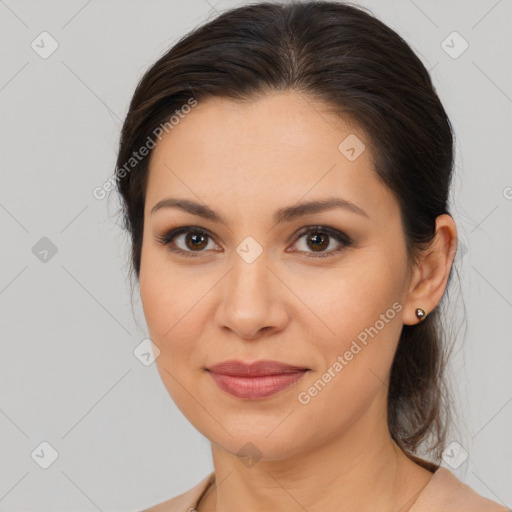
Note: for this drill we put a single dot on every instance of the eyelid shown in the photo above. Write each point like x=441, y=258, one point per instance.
x=170, y=235
x=343, y=239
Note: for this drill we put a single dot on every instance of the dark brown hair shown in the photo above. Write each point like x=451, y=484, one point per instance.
x=360, y=68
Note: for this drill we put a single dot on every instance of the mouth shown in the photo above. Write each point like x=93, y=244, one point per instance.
x=255, y=380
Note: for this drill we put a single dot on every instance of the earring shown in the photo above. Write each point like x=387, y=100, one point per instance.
x=420, y=314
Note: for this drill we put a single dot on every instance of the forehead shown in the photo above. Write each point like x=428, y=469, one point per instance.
x=278, y=148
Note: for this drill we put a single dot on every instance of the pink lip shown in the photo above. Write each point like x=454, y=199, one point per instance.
x=255, y=380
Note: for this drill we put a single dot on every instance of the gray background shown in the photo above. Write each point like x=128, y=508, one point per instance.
x=68, y=373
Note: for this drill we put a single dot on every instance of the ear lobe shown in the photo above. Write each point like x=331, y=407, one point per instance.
x=431, y=273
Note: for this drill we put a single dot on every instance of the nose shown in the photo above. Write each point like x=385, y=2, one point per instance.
x=252, y=300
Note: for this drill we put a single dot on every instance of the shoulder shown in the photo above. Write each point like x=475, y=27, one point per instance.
x=446, y=493
x=186, y=501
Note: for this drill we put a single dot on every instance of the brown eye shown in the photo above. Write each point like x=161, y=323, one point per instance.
x=196, y=241
x=318, y=238
x=186, y=240
x=319, y=241
x=192, y=241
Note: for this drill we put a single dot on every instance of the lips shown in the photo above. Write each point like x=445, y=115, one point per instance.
x=256, y=369
x=255, y=380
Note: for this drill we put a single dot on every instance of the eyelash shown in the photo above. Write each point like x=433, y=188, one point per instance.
x=340, y=237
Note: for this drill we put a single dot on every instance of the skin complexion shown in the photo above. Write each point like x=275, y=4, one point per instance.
x=228, y=178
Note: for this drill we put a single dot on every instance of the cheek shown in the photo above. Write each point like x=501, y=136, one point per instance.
x=169, y=319
x=352, y=298
x=357, y=358
x=174, y=304
x=165, y=304
x=167, y=294
x=358, y=323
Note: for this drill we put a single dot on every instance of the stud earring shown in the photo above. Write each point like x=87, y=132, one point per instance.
x=420, y=314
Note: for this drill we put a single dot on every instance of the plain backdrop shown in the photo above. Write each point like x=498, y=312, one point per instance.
x=70, y=384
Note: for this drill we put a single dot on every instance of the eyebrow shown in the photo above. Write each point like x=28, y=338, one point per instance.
x=282, y=215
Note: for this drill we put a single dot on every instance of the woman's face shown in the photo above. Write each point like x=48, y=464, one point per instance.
x=256, y=286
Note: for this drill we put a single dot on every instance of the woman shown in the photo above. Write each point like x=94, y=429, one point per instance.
x=284, y=173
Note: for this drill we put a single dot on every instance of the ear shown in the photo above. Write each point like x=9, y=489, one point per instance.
x=432, y=270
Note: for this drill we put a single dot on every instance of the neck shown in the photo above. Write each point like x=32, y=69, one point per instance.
x=360, y=470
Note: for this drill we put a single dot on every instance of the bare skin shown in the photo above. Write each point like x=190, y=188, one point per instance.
x=245, y=161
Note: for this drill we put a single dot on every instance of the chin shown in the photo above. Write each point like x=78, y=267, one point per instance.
x=262, y=438
x=251, y=449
